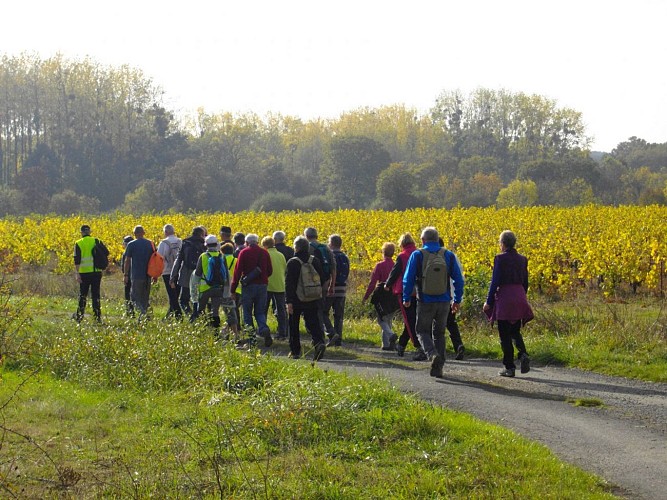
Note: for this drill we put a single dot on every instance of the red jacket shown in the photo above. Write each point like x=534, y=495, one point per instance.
x=250, y=258
x=396, y=277
x=380, y=273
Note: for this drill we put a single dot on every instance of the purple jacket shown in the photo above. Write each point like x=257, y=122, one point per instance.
x=509, y=284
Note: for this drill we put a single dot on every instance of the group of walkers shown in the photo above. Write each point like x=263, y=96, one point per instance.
x=238, y=274
x=244, y=277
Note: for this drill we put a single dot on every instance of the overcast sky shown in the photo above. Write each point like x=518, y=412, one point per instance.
x=314, y=58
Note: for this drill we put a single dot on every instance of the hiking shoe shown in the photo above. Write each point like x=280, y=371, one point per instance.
x=400, y=350
x=319, y=352
x=294, y=355
x=268, y=340
x=392, y=342
x=334, y=341
x=437, y=363
x=460, y=350
x=507, y=372
x=247, y=343
x=420, y=355
x=525, y=363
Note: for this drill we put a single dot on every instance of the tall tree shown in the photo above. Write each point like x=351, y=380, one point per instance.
x=351, y=169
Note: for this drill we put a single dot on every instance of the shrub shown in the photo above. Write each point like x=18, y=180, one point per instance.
x=313, y=203
x=273, y=202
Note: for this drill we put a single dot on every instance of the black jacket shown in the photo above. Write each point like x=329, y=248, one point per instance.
x=181, y=273
x=288, y=252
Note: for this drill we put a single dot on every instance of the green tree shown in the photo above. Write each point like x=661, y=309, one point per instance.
x=446, y=192
x=68, y=202
x=149, y=196
x=518, y=194
x=273, y=202
x=396, y=187
x=351, y=169
x=577, y=192
x=512, y=127
x=482, y=190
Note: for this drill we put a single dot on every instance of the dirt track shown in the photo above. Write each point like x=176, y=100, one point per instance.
x=625, y=441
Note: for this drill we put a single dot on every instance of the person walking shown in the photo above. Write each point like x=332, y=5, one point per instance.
x=227, y=250
x=303, y=280
x=214, y=287
x=137, y=255
x=409, y=314
x=276, y=286
x=239, y=243
x=185, y=264
x=87, y=275
x=452, y=324
x=430, y=269
x=226, y=235
x=279, y=240
x=252, y=270
x=380, y=275
x=336, y=301
x=129, y=306
x=507, y=303
x=169, y=248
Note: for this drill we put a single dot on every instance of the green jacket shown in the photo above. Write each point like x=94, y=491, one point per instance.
x=277, y=278
x=83, y=254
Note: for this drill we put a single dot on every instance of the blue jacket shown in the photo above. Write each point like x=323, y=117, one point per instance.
x=413, y=270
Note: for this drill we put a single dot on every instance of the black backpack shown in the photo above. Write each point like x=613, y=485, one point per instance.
x=385, y=301
x=100, y=255
x=190, y=254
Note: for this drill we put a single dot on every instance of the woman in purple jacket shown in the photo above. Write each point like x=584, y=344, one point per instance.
x=507, y=304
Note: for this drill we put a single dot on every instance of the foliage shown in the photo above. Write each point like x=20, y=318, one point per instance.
x=313, y=203
x=273, y=202
x=518, y=194
x=352, y=165
x=569, y=249
x=104, y=134
x=396, y=188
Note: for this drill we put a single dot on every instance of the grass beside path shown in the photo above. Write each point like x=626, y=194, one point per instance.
x=304, y=433
x=160, y=410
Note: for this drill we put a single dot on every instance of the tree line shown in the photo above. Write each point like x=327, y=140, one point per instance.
x=76, y=136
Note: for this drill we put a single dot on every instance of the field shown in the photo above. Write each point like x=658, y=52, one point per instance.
x=161, y=410
x=567, y=248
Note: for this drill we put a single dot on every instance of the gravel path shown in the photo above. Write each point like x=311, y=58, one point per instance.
x=624, y=441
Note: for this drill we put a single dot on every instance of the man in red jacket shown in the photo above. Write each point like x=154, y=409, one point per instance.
x=253, y=269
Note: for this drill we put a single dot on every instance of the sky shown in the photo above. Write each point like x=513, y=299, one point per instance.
x=319, y=59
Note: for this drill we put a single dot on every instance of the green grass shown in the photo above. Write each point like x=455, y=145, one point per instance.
x=303, y=433
x=587, y=402
x=161, y=410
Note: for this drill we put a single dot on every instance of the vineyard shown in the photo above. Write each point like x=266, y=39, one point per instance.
x=567, y=248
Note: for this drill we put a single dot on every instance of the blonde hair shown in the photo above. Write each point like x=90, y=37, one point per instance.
x=268, y=242
x=388, y=249
x=405, y=240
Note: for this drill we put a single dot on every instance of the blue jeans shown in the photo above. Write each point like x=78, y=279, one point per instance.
x=278, y=299
x=253, y=299
x=338, y=306
x=140, y=293
x=385, y=323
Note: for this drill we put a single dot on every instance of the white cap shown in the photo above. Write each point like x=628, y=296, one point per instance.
x=211, y=240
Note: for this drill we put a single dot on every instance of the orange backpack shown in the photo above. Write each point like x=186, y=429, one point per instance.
x=155, y=264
